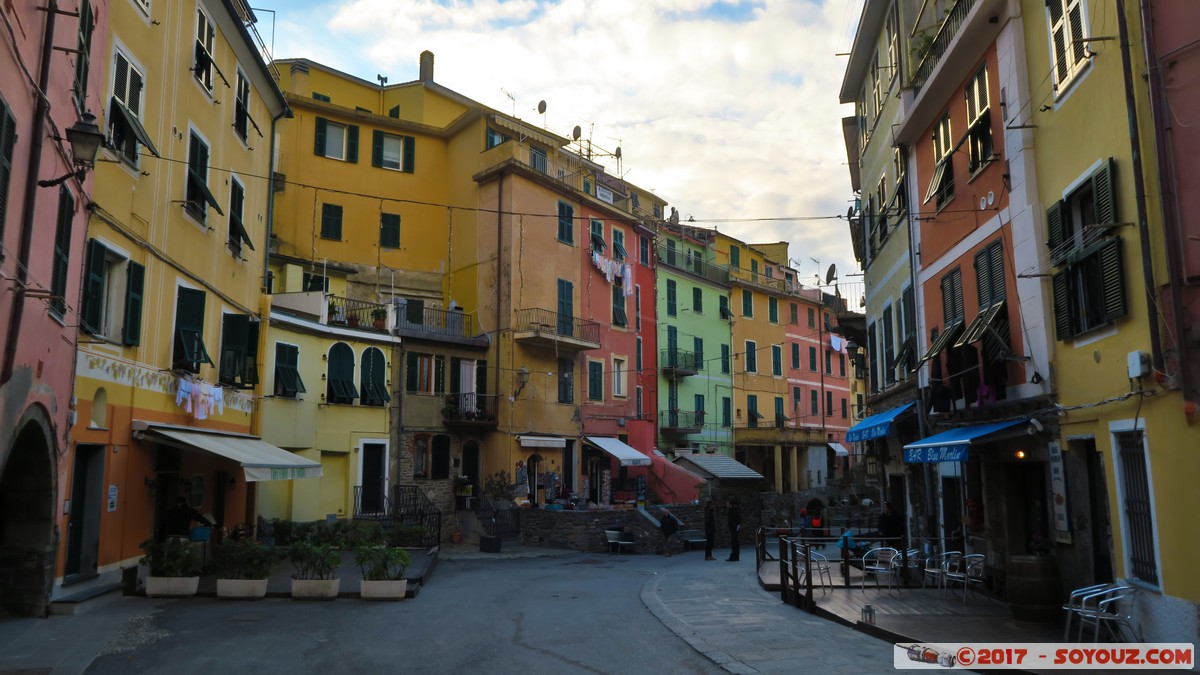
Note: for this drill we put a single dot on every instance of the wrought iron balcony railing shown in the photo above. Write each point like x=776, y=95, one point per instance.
x=545, y=322
x=932, y=51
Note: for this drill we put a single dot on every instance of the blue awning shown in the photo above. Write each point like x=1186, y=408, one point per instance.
x=875, y=426
x=951, y=446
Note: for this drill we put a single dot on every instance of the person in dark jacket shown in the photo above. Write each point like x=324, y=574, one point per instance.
x=668, y=526
x=710, y=528
x=179, y=519
x=891, y=526
x=734, y=520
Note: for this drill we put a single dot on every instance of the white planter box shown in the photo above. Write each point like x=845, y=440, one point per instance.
x=243, y=589
x=384, y=590
x=171, y=587
x=321, y=589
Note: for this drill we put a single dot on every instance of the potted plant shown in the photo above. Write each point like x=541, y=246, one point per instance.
x=174, y=568
x=337, y=313
x=379, y=318
x=242, y=568
x=315, y=565
x=383, y=570
x=456, y=535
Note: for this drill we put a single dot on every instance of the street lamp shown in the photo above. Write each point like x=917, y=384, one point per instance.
x=85, y=139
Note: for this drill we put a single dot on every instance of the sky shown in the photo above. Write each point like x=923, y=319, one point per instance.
x=728, y=109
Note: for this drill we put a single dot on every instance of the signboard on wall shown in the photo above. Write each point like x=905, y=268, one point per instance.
x=112, y=498
x=1058, y=495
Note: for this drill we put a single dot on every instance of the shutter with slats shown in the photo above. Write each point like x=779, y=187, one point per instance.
x=410, y=154
x=352, y=143
x=996, y=264
x=455, y=375
x=947, y=300
x=62, y=251
x=959, y=313
x=1062, y=305
x=1112, y=277
x=376, y=148
x=250, y=362
x=1055, y=231
x=135, y=278
x=319, y=137
x=8, y=140
x=983, y=278
x=439, y=374
x=235, y=330
x=410, y=376
x=1102, y=193
x=93, y=287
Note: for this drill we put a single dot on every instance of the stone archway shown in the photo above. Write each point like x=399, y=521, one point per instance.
x=27, y=531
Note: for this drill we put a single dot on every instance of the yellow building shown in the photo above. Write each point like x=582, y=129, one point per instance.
x=168, y=363
x=1124, y=430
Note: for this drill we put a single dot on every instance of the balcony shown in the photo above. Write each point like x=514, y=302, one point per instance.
x=769, y=432
x=359, y=314
x=681, y=422
x=417, y=322
x=747, y=277
x=544, y=328
x=932, y=50
x=470, y=411
x=677, y=363
x=678, y=259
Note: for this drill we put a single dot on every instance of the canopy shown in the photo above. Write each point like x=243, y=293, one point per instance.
x=839, y=450
x=626, y=454
x=260, y=460
x=542, y=441
x=875, y=426
x=951, y=446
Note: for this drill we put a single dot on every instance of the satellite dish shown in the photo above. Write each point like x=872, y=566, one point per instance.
x=576, y=132
x=617, y=154
x=541, y=107
x=849, y=213
x=831, y=274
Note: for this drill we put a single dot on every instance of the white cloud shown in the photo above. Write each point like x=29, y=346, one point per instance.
x=726, y=119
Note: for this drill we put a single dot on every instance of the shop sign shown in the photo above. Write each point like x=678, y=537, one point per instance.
x=604, y=194
x=1058, y=494
x=945, y=453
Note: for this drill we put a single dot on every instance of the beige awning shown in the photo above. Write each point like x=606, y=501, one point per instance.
x=839, y=450
x=628, y=455
x=542, y=441
x=526, y=131
x=260, y=460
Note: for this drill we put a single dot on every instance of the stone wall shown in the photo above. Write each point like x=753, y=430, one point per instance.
x=584, y=530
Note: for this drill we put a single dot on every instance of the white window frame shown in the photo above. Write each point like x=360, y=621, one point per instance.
x=387, y=461
x=242, y=84
x=201, y=218
x=383, y=162
x=135, y=66
x=208, y=42
x=112, y=314
x=620, y=375
x=426, y=375
x=1114, y=428
x=1073, y=67
x=341, y=148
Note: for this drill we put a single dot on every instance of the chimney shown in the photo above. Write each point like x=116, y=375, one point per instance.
x=427, y=66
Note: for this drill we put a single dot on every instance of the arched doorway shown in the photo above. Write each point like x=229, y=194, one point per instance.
x=27, y=501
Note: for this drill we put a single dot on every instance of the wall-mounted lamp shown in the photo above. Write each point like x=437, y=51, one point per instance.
x=85, y=138
x=1020, y=454
x=522, y=380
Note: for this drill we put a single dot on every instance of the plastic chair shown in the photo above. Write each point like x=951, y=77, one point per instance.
x=879, y=561
x=935, y=568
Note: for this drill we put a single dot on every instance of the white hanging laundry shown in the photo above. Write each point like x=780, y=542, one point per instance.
x=627, y=279
x=183, y=393
x=200, y=405
x=217, y=402
x=836, y=342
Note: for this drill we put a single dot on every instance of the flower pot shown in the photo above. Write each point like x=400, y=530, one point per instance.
x=456, y=537
x=242, y=589
x=384, y=590
x=379, y=324
x=171, y=587
x=315, y=589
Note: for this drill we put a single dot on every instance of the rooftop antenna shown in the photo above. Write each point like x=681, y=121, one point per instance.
x=541, y=108
x=511, y=97
x=382, y=80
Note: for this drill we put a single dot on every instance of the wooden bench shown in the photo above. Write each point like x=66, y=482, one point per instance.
x=692, y=539
x=619, y=540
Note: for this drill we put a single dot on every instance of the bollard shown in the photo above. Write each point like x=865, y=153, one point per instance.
x=868, y=615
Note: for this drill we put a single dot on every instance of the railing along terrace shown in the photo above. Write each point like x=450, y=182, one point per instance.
x=371, y=502
x=412, y=506
x=679, y=359
x=678, y=258
x=357, y=313
x=941, y=42
x=761, y=280
x=433, y=321
x=681, y=419
x=543, y=320
x=471, y=407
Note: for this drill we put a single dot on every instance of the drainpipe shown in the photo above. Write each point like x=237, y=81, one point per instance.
x=1166, y=171
x=27, y=209
x=1139, y=186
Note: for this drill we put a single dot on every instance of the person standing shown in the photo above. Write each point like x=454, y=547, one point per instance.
x=710, y=528
x=734, y=518
x=668, y=526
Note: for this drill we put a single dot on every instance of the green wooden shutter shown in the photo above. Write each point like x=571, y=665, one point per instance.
x=439, y=374
x=93, y=287
x=389, y=230
x=1103, y=194
x=1112, y=277
x=481, y=378
x=234, y=332
x=8, y=140
x=352, y=143
x=62, y=252
x=135, y=278
x=983, y=278
x=1055, y=230
x=410, y=154
x=319, y=137
x=455, y=375
x=250, y=362
x=376, y=148
x=1062, y=305
x=996, y=268
x=394, y=112
x=410, y=376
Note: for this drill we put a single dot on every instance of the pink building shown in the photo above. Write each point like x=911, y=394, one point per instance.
x=43, y=222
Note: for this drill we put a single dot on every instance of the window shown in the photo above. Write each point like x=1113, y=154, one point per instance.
x=339, y=386
x=752, y=414
x=828, y=362
x=566, y=222
x=751, y=357
x=793, y=314
x=619, y=317
x=537, y=160
x=237, y=225
x=638, y=355
x=373, y=379
x=979, y=125
x=205, y=36
x=198, y=196
x=494, y=137
x=241, y=107
x=331, y=222
x=698, y=402
x=812, y=359
x=324, y=98
x=815, y=403
x=315, y=282
x=899, y=205
x=619, y=245
x=754, y=268
x=239, y=351
x=871, y=354
x=726, y=409
x=189, y=351
x=566, y=380
x=697, y=300
x=796, y=399
x=773, y=310
x=1089, y=290
x=60, y=273
x=941, y=185
x=735, y=257
x=287, y=374
x=1137, y=506
x=420, y=456
x=844, y=409
x=8, y=139
x=842, y=365
x=83, y=55
x=776, y=360
x=888, y=337
x=812, y=318
x=637, y=309
x=389, y=230
x=620, y=372
x=671, y=304
x=336, y=141
x=828, y=403
x=747, y=304
x=723, y=301
x=671, y=252
x=780, y=417
x=597, y=232
x=1068, y=37
x=426, y=374
x=125, y=130
x=989, y=274
x=698, y=348
x=639, y=410
x=566, y=308
x=644, y=249
x=795, y=355
x=595, y=381
x=104, y=296
x=393, y=152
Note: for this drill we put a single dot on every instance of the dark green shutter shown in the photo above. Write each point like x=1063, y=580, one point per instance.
x=234, y=330
x=135, y=278
x=410, y=377
x=410, y=154
x=1102, y=193
x=439, y=374
x=1055, y=229
x=8, y=139
x=455, y=375
x=376, y=148
x=250, y=363
x=394, y=112
x=1112, y=278
x=352, y=143
x=62, y=252
x=996, y=268
x=319, y=137
x=1062, y=305
x=481, y=378
x=93, y=286
x=389, y=230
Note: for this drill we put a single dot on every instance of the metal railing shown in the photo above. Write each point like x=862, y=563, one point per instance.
x=371, y=503
x=777, y=284
x=679, y=359
x=498, y=522
x=681, y=419
x=471, y=407
x=545, y=321
x=678, y=258
x=941, y=42
x=433, y=321
x=411, y=506
x=357, y=314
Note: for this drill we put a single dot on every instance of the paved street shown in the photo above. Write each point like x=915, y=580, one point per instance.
x=573, y=613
